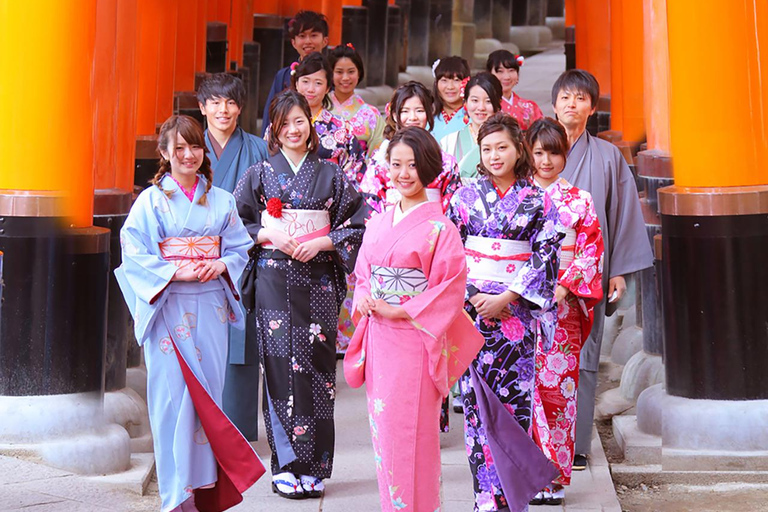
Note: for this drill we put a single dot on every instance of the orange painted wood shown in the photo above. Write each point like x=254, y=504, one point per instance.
x=200, y=37
x=186, y=36
x=167, y=49
x=570, y=13
x=718, y=93
x=632, y=71
x=126, y=81
x=148, y=65
x=105, y=95
x=617, y=66
x=593, y=40
x=267, y=7
x=656, y=61
x=333, y=10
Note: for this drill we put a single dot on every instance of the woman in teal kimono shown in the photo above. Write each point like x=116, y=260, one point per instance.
x=184, y=249
x=451, y=75
x=482, y=99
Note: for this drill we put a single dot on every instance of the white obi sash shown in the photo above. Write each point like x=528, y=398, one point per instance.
x=303, y=225
x=396, y=285
x=492, y=259
x=186, y=250
x=393, y=195
x=568, y=249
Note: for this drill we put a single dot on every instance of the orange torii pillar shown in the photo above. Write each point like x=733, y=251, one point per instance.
x=56, y=264
x=217, y=34
x=570, y=34
x=169, y=10
x=593, y=53
x=715, y=233
x=627, y=111
x=148, y=63
x=185, y=76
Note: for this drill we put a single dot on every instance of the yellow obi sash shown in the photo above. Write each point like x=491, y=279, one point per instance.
x=303, y=225
x=186, y=250
x=568, y=249
x=492, y=259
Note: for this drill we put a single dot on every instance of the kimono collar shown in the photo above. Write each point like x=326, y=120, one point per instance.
x=294, y=168
x=583, y=140
x=349, y=102
x=189, y=217
x=235, y=140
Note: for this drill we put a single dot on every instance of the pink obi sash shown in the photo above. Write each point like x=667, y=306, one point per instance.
x=492, y=259
x=186, y=250
x=568, y=249
x=433, y=195
x=303, y=225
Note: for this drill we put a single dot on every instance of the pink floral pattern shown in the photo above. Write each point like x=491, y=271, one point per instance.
x=526, y=112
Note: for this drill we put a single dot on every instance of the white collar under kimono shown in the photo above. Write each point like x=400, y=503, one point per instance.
x=294, y=168
x=398, y=214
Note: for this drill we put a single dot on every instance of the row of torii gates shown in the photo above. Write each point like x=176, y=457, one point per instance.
x=86, y=85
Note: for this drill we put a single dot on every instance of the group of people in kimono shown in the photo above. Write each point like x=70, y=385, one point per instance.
x=461, y=241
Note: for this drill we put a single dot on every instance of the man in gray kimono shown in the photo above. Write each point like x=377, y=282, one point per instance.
x=232, y=151
x=598, y=167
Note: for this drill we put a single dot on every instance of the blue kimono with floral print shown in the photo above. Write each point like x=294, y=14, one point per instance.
x=506, y=361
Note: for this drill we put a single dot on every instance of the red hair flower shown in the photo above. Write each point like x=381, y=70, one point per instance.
x=349, y=45
x=464, y=85
x=294, y=65
x=275, y=207
x=519, y=59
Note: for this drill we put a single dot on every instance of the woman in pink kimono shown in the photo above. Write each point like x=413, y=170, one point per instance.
x=579, y=289
x=413, y=339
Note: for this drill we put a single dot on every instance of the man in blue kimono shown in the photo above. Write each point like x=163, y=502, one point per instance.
x=598, y=167
x=308, y=31
x=232, y=151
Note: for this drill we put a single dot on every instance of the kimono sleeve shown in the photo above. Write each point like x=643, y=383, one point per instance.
x=354, y=165
x=458, y=213
x=374, y=184
x=348, y=213
x=235, y=242
x=538, y=276
x=435, y=308
x=362, y=274
x=377, y=135
x=248, y=194
x=449, y=180
x=143, y=274
x=583, y=277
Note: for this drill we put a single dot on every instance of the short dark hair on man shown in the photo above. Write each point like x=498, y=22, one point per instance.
x=279, y=109
x=550, y=134
x=345, y=52
x=501, y=121
x=404, y=92
x=222, y=85
x=307, y=20
x=577, y=80
x=313, y=63
x=501, y=59
x=490, y=84
x=426, y=152
x=448, y=67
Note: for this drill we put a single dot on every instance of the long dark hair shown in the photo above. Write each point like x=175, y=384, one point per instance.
x=490, y=84
x=279, y=109
x=192, y=132
x=404, y=92
x=501, y=121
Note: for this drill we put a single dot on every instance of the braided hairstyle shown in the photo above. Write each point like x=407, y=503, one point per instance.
x=192, y=132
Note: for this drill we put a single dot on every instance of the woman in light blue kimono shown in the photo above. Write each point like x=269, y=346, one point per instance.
x=184, y=249
x=451, y=75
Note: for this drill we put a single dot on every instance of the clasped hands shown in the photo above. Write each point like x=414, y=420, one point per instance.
x=494, y=306
x=202, y=271
x=369, y=306
x=303, y=251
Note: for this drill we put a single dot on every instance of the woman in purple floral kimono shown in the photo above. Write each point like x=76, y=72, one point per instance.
x=512, y=245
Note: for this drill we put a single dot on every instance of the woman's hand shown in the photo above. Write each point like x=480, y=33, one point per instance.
x=381, y=307
x=561, y=292
x=365, y=305
x=307, y=250
x=207, y=270
x=185, y=273
x=284, y=242
x=494, y=306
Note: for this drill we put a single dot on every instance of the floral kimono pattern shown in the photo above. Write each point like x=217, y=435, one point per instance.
x=363, y=119
x=297, y=308
x=506, y=361
x=463, y=146
x=557, y=369
x=525, y=112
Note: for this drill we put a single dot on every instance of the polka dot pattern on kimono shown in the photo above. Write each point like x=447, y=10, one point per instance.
x=324, y=385
x=275, y=325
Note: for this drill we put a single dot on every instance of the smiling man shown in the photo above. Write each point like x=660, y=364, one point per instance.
x=597, y=166
x=308, y=32
x=232, y=151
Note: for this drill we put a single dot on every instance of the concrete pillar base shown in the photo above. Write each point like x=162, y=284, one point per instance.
x=557, y=27
x=125, y=407
x=530, y=39
x=463, y=36
x=642, y=371
x=628, y=343
x=136, y=379
x=610, y=404
x=611, y=329
x=706, y=435
x=69, y=432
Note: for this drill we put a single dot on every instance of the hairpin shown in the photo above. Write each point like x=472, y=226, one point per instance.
x=294, y=65
x=434, y=67
x=463, y=85
x=520, y=59
x=349, y=45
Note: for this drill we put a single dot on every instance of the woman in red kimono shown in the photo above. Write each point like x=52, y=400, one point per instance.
x=579, y=288
x=506, y=67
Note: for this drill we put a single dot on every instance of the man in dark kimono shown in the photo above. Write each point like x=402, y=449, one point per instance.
x=308, y=31
x=598, y=167
x=232, y=151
